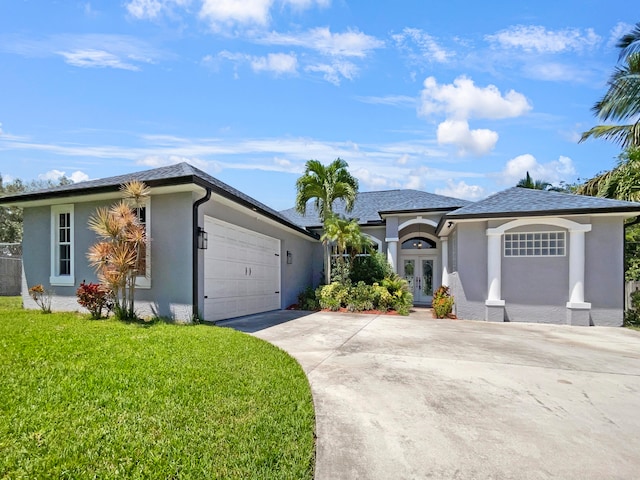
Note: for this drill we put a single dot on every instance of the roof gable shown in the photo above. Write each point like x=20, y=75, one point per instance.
x=369, y=205
x=529, y=202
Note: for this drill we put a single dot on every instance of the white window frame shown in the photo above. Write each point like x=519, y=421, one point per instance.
x=56, y=278
x=144, y=281
x=544, y=239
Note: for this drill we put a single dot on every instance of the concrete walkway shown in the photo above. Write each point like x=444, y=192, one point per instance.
x=402, y=398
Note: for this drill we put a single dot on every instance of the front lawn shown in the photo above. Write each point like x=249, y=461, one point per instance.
x=104, y=399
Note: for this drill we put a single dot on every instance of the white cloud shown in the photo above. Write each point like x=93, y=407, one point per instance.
x=305, y=4
x=403, y=159
x=392, y=100
x=617, y=32
x=553, y=172
x=535, y=38
x=462, y=190
x=457, y=132
x=155, y=161
x=227, y=13
x=152, y=9
x=78, y=176
x=96, y=59
x=553, y=71
x=87, y=50
x=351, y=43
x=277, y=63
x=55, y=175
x=463, y=100
x=428, y=48
x=335, y=72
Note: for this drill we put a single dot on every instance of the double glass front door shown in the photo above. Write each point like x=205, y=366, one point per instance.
x=418, y=271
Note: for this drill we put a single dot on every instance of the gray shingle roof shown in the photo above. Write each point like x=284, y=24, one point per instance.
x=178, y=174
x=369, y=205
x=528, y=202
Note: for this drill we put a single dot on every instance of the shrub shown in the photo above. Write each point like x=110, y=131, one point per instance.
x=360, y=298
x=442, y=302
x=401, y=297
x=370, y=269
x=42, y=297
x=340, y=271
x=94, y=297
x=333, y=296
x=632, y=316
x=307, y=299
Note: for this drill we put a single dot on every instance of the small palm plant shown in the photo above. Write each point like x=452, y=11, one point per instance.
x=119, y=255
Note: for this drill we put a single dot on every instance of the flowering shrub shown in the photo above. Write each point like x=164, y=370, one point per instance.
x=442, y=302
x=42, y=297
x=94, y=297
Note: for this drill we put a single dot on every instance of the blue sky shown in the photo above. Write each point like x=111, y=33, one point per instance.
x=459, y=98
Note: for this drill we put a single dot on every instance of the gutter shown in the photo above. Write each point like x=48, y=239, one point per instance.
x=194, y=269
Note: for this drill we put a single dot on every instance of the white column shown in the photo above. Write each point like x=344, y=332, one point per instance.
x=444, y=245
x=392, y=252
x=494, y=268
x=576, y=268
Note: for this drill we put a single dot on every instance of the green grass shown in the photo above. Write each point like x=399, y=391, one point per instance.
x=105, y=399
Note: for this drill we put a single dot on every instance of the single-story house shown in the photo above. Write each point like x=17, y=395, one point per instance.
x=518, y=255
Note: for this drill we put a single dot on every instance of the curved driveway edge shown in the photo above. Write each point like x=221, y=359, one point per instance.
x=414, y=397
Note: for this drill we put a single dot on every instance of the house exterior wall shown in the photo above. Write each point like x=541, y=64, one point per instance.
x=468, y=284
x=307, y=262
x=604, y=270
x=536, y=289
x=170, y=291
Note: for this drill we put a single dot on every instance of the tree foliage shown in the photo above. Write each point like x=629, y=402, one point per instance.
x=621, y=103
x=528, y=182
x=11, y=217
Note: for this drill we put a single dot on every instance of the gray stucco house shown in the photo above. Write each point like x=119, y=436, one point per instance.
x=518, y=255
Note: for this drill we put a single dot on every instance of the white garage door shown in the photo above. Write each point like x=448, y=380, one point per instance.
x=241, y=271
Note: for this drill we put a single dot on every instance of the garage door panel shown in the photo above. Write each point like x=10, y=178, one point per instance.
x=242, y=271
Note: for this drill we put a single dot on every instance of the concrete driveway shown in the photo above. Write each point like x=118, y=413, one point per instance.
x=400, y=398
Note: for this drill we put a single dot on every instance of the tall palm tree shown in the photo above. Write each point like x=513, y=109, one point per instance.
x=528, y=182
x=324, y=185
x=621, y=102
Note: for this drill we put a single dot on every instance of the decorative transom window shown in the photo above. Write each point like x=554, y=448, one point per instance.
x=62, y=271
x=418, y=243
x=535, y=244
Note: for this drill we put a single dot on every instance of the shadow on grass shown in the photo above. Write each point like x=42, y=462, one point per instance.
x=261, y=321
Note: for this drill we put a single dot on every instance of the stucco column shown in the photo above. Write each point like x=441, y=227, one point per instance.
x=392, y=252
x=576, y=267
x=444, y=246
x=494, y=268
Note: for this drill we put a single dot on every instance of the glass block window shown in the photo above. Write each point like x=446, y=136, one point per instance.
x=535, y=244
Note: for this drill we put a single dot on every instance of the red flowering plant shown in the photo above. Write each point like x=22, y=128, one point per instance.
x=94, y=297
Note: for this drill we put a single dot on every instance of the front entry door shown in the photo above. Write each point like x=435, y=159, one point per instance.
x=418, y=271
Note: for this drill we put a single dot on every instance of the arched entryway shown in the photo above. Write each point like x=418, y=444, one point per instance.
x=419, y=259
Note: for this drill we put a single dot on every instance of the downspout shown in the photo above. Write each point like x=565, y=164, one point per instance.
x=194, y=268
